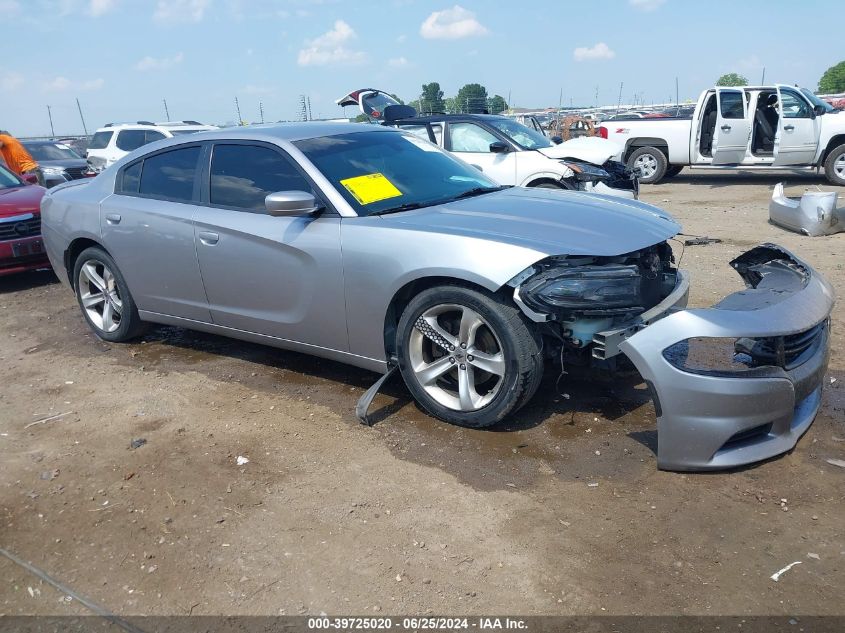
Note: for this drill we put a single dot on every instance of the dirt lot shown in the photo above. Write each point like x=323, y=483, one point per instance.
x=411, y=515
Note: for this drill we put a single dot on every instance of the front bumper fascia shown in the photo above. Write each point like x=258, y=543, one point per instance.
x=703, y=418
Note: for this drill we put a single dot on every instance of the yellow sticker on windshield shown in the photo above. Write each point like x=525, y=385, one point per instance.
x=371, y=188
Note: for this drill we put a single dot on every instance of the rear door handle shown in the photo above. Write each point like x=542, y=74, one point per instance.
x=209, y=238
x=788, y=128
x=726, y=128
x=113, y=218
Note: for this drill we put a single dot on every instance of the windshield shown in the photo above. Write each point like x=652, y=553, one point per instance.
x=377, y=172
x=7, y=179
x=51, y=151
x=523, y=136
x=816, y=101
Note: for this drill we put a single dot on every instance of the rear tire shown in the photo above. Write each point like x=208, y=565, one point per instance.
x=834, y=166
x=468, y=358
x=650, y=164
x=104, y=297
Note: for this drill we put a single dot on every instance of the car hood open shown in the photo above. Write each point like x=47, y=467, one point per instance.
x=587, y=148
x=551, y=222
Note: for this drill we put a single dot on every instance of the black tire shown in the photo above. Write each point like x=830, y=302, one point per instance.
x=653, y=156
x=129, y=324
x=837, y=154
x=673, y=170
x=519, y=345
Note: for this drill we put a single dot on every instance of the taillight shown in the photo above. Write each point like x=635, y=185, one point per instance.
x=603, y=131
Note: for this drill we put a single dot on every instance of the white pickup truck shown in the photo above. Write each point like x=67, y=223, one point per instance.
x=761, y=128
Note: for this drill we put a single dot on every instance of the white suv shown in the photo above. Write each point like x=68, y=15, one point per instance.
x=116, y=140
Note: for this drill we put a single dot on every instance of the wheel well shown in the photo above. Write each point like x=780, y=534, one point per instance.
x=836, y=141
x=544, y=181
x=637, y=143
x=404, y=296
x=73, y=250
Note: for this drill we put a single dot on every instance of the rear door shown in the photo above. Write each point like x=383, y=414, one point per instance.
x=733, y=127
x=798, y=129
x=471, y=142
x=278, y=276
x=147, y=228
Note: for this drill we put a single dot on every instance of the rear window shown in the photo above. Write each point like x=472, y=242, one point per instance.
x=170, y=174
x=100, y=140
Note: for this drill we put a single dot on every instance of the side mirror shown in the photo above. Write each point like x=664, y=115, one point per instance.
x=819, y=110
x=30, y=179
x=291, y=203
x=556, y=140
x=498, y=147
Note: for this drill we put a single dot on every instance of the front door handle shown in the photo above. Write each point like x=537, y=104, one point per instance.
x=788, y=128
x=113, y=218
x=726, y=128
x=209, y=238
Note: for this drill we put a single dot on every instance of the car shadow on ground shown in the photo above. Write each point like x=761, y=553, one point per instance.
x=28, y=280
x=717, y=180
x=577, y=394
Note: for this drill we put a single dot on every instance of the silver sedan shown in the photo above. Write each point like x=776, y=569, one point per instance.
x=372, y=247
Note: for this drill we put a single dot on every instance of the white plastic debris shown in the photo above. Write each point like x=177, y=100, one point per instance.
x=241, y=460
x=776, y=576
x=836, y=462
x=814, y=214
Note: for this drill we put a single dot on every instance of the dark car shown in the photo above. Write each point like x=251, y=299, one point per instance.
x=21, y=247
x=58, y=162
x=78, y=144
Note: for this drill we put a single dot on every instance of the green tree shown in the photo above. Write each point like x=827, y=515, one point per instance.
x=431, y=99
x=833, y=79
x=451, y=105
x=732, y=79
x=497, y=104
x=397, y=98
x=472, y=98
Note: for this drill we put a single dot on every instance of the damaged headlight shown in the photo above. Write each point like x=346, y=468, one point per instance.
x=586, y=171
x=584, y=287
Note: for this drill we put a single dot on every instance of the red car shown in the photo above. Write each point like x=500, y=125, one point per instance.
x=21, y=247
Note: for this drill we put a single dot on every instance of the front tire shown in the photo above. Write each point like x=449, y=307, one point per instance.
x=104, y=297
x=467, y=357
x=834, y=166
x=650, y=164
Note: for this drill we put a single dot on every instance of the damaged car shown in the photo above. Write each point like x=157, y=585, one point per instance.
x=506, y=150
x=369, y=246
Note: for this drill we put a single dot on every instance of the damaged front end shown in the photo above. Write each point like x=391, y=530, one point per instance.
x=732, y=384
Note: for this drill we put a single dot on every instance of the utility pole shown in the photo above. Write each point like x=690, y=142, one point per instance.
x=676, y=91
x=619, y=100
x=79, y=107
x=763, y=79
x=596, y=100
x=166, y=111
x=261, y=110
x=560, y=101
x=308, y=101
x=238, y=109
x=50, y=114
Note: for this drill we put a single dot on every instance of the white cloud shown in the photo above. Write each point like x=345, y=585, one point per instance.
x=397, y=62
x=63, y=84
x=452, y=24
x=160, y=63
x=98, y=7
x=331, y=48
x=401, y=39
x=10, y=81
x=646, y=5
x=599, y=51
x=180, y=10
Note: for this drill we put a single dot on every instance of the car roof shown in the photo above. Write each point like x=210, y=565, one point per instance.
x=436, y=118
x=288, y=131
x=41, y=142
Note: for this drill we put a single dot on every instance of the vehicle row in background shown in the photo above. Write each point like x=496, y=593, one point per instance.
x=58, y=162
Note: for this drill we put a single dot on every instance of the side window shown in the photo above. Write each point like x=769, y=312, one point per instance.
x=417, y=130
x=131, y=178
x=100, y=140
x=152, y=135
x=129, y=140
x=170, y=174
x=793, y=106
x=243, y=175
x=731, y=105
x=468, y=137
x=437, y=128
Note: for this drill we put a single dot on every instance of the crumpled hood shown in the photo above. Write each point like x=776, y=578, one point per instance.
x=18, y=200
x=590, y=149
x=551, y=222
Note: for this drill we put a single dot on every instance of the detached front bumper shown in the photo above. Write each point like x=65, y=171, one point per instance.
x=715, y=413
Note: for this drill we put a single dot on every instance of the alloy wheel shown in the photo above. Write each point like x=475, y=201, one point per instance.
x=646, y=165
x=839, y=166
x=456, y=357
x=99, y=295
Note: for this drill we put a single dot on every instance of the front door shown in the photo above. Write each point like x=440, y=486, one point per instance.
x=733, y=127
x=471, y=142
x=278, y=276
x=147, y=227
x=798, y=129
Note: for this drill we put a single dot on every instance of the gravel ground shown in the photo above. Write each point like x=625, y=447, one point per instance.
x=561, y=511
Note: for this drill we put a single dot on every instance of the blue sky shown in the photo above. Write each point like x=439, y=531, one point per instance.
x=122, y=57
